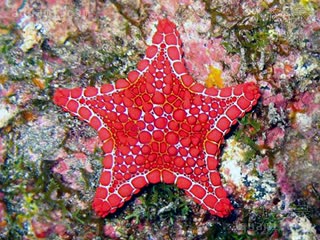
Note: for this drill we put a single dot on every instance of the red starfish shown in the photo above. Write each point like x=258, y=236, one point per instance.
x=159, y=125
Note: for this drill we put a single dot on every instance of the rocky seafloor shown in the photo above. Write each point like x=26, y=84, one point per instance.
x=50, y=162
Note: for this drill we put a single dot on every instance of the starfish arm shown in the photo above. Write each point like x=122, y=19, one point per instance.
x=103, y=108
x=230, y=104
x=215, y=200
x=164, y=54
x=220, y=108
x=113, y=191
x=81, y=102
x=99, y=106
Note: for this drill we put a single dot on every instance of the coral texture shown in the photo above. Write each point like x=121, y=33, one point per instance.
x=159, y=125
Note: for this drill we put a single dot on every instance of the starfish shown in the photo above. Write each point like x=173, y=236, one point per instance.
x=159, y=125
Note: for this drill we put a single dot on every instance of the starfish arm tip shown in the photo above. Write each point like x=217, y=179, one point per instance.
x=61, y=96
x=251, y=91
x=166, y=26
x=102, y=208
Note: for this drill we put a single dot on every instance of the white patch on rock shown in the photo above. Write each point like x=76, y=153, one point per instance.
x=232, y=158
x=299, y=228
x=304, y=121
x=6, y=113
x=30, y=36
x=243, y=175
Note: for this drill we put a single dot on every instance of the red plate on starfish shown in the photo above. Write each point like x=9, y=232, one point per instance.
x=159, y=125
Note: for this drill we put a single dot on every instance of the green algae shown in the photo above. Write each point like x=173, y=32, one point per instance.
x=255, y=39
x=254, y=35
x=161, y=203
x=26, y=190
x=8, y=38
x=245, y=134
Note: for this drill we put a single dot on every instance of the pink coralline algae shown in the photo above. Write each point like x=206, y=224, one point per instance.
x=2, y=151
x=274, y=137
x=110, y=231
x=65, y=166
x=159, y=125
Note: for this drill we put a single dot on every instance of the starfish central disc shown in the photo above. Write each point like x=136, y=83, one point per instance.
x=159, y=125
